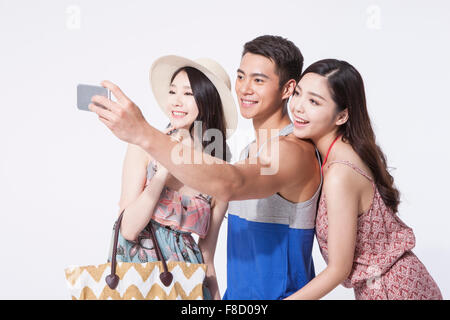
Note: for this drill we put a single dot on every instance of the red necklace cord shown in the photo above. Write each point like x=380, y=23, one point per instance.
x=329, y=149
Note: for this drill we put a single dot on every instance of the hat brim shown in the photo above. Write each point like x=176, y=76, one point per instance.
x=162, y=71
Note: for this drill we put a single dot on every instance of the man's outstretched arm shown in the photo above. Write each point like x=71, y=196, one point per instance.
x=248, y=179
x=212, y=176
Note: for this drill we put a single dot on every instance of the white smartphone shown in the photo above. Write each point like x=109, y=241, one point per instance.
x=85, y=92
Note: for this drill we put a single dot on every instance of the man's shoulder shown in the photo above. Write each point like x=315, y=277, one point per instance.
x=297, y=147
x=294, y=156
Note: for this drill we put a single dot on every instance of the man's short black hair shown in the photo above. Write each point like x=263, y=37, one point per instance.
x=284, y=53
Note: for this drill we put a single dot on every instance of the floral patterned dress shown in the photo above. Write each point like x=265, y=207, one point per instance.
x=175, y=217
x=384, y=267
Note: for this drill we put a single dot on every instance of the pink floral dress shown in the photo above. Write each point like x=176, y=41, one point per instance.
x=384, y=267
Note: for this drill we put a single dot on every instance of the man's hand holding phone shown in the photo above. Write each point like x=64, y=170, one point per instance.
x=122, y=117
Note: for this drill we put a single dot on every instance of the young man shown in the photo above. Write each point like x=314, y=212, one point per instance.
x=272, y=212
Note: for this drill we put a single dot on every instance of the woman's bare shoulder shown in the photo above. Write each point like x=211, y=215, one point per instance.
x=137, y=154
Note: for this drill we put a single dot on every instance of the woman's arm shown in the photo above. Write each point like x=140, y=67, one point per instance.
x=138, y=202
x=342, y=198
x=208, y=246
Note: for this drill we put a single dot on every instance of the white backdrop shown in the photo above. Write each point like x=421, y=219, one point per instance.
x=60, y=168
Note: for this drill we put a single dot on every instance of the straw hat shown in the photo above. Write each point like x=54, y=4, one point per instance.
x=161, y=73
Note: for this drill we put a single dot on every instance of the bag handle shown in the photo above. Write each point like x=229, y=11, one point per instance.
x=113, y=279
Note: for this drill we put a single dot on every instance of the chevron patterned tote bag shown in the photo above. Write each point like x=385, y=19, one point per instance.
x=161, y=280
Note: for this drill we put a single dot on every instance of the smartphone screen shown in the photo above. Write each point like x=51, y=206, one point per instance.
x=85, y=92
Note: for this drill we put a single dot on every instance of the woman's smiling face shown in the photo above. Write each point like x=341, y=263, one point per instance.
x=313, y=108
x=181, y=108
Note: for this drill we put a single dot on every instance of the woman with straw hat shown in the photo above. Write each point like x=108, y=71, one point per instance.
x=189, y=92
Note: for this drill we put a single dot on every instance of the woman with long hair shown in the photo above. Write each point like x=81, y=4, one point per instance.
x=365, y=244
x=190, y=93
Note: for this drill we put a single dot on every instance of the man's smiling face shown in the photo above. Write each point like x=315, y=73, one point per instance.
x=257, y=86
